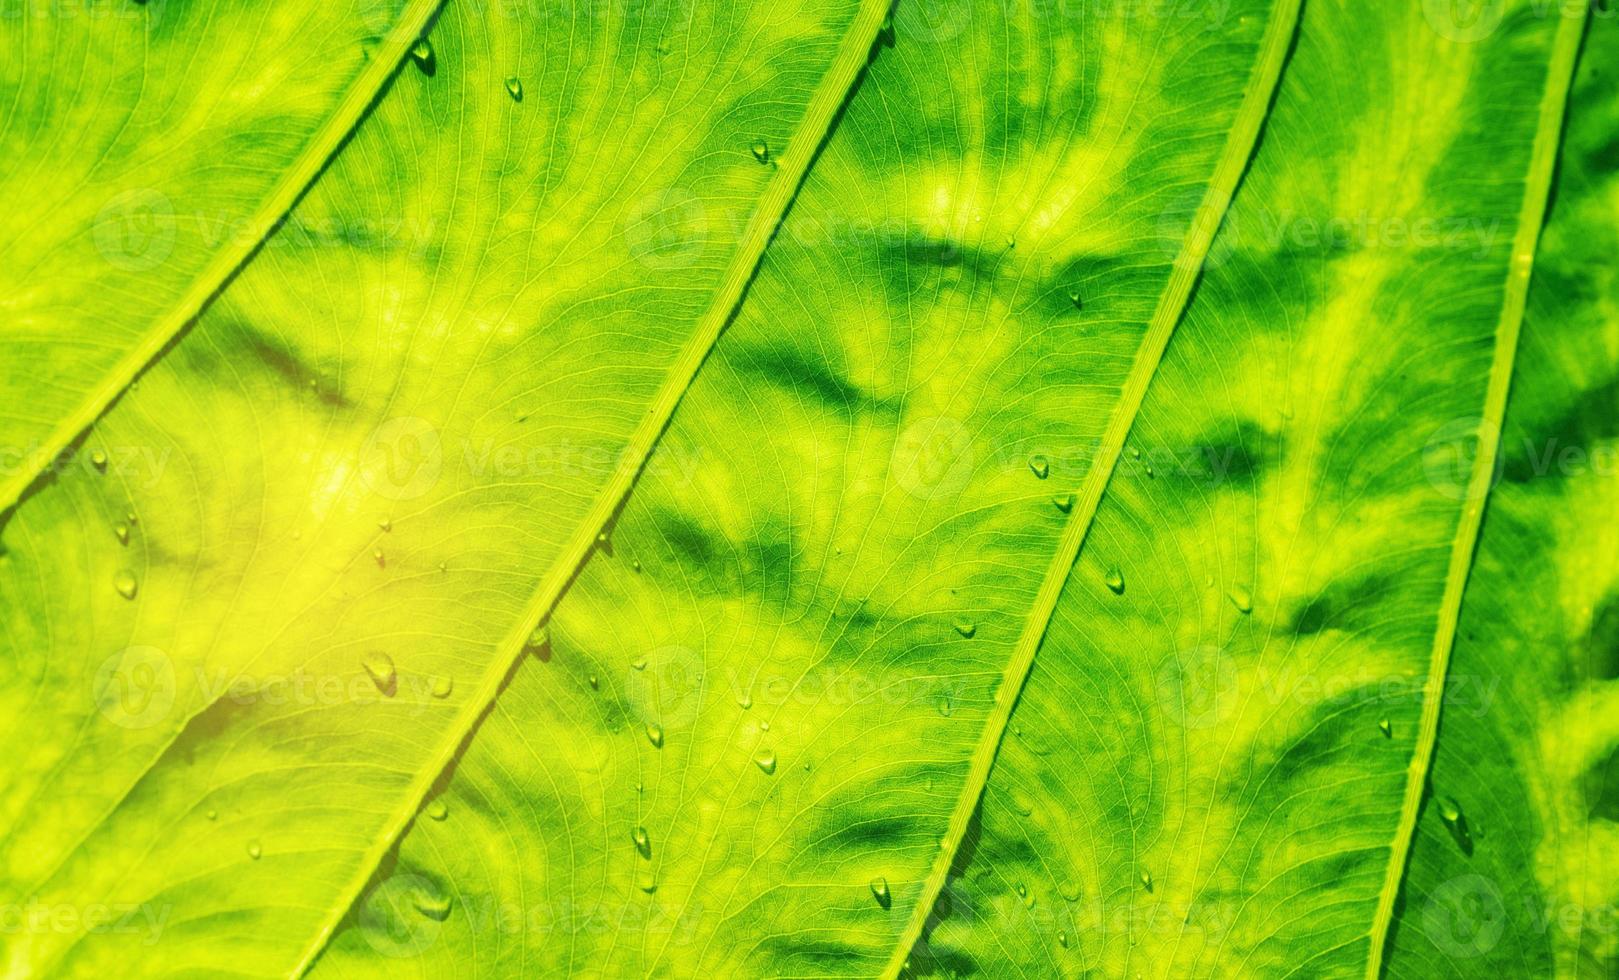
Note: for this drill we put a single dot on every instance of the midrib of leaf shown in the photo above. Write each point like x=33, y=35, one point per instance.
x=793, y=164
x=1256, y=99
x=1532, y=215
x=413, y=20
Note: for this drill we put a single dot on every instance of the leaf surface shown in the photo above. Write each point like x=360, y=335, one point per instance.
x=745, y=741
x=1205, y=773
x=145, y=149
x=248, y=629
x=1512, y=870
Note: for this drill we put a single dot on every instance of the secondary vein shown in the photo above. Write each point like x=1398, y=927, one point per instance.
x=1171, y=304
x=793, y=165
x=1537, y=190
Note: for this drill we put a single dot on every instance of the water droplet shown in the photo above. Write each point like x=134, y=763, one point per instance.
x=386, y=524
x=601, y=540
x=1022, y=890
x=213, y=814
x=442, y=686
x=966, y=628
x=254, y=851
x=125, y=583
x=1115, y=581
x=122, y=532
x=595, y=682
x=432, y=903
x=1062, y=939
x=1386, y=728
x=1146, y=880
x=766, y=761
x=1069, y=891
x=380, y=560
x=539, y=642
x=1063, y=502
x=745, y=700
x=1040, y=466
x=1150, y=471
x=1076, y=299
x=422, y=54
x=646, y=882
x=764, y=726
x=643, y=842
x=1021, y=803
x=879, y=891
x=514, y=88
x=654, y=734
x=98, y=459
x=639, y=664
x=1134, y=452
x=635, y=564
x=437, y=810
x=944, y=706
x=1456, y=822
x=381, y=668
x=1240, y=598
x=761, y=151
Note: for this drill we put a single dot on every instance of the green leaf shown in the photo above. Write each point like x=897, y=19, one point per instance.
x=743, y=744
x=1206, y=770
x=249, y=625
x=149, y=147
x=773, y=488
x=1512, y=872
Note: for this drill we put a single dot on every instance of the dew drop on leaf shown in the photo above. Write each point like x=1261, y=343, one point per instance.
x=1146, y=880
x=432, y=902
x=766, y=761
x=422, y=54
x=654, y=734
x=125, y=583
x=1240, y=598
x=386, y=524
x=879, y=891
x=1062, y=939
x=966, y=628
x=643, y=842
x=381, y=561
x=381, y=668
x=437, y=810
x=1063, y=502
x=1040, y=466
x=539, y=642
x=761, y=151
x=1386, y=728
x=213, y=814
x=1115, y=581
x=1077, y=300
x=514, y=88
x=442, y=686
x=122, y=531
x=98, y=459
x=254, y=851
